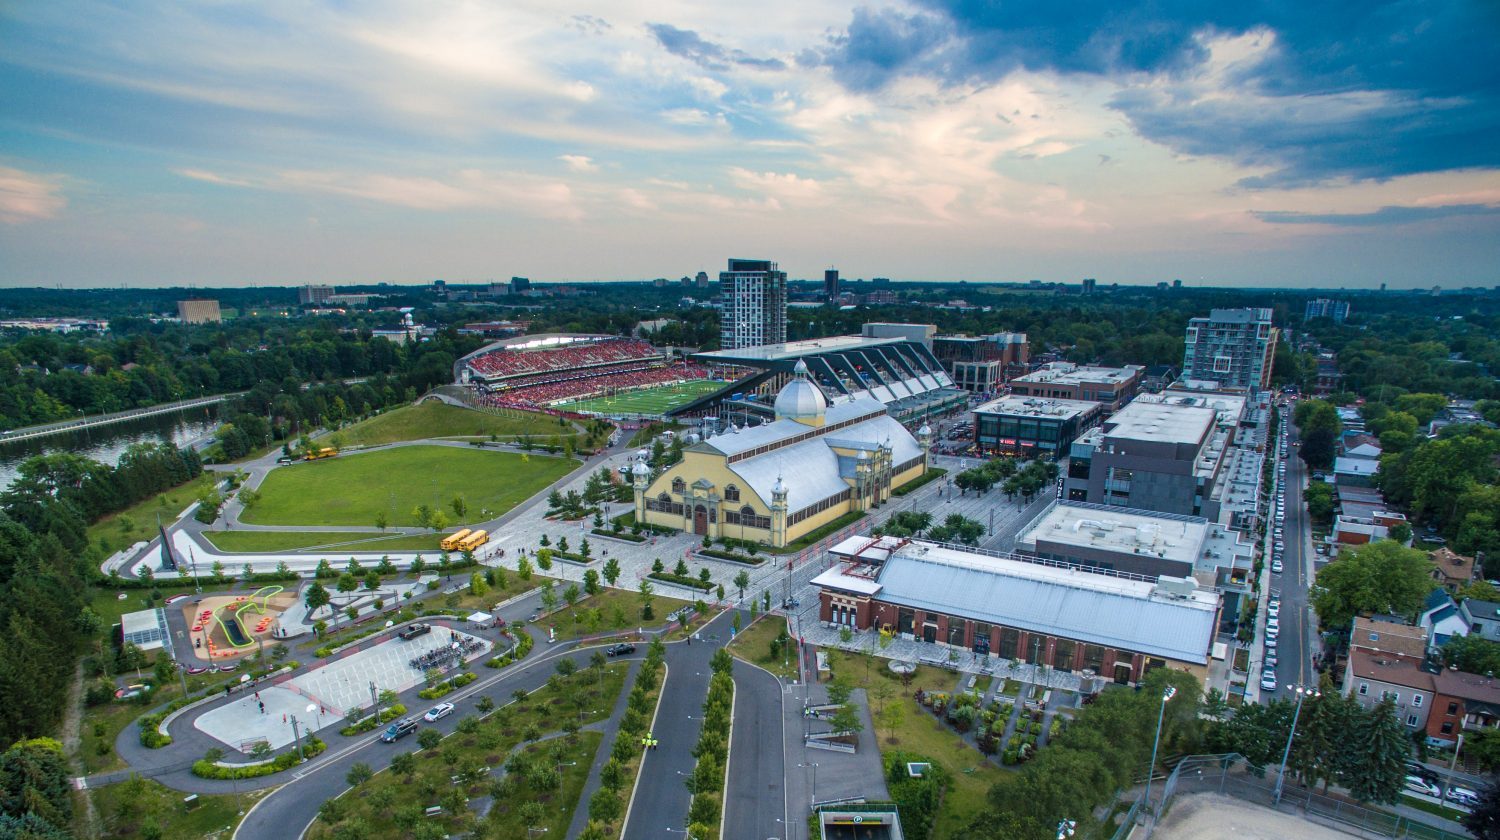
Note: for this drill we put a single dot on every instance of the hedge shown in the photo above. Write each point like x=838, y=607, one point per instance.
x=206, y=769
x=932, y=474
x=369, y=723
x=523, y=647
x=731, y=556
x=628, y=520
x=623, y=535
x=570, y=557
x=684, y=580
x=447, y=686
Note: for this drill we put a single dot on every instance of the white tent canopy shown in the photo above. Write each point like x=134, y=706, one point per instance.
x=481, y=618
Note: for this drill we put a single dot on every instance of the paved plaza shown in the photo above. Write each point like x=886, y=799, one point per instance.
x=345, y=682
x=239, y=725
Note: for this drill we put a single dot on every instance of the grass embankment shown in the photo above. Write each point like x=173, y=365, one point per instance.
x=611, y=611
x=139, y=807
x=433, y=419
x=753, y=644
x=920, y=732
x=392, y=803
x=253, y=541
x=353, y=489
x=138, y=522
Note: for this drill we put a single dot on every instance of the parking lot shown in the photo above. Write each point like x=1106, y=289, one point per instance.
x=345, y=683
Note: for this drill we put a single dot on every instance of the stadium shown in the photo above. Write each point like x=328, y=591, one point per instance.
x=582, y=374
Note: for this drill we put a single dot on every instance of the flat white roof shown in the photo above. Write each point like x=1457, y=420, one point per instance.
x=1161, y=423
x=798, y=349
x=1037, y=407
x=1230, y=407
x=1067, y=373
x=1121, y=530
x=835, y=578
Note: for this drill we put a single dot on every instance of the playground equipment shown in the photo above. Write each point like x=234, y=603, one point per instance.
x=234, y=628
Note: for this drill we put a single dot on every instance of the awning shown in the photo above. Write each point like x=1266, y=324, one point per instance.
x=481, y=618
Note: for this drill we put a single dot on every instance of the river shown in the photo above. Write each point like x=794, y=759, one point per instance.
x=107, y=443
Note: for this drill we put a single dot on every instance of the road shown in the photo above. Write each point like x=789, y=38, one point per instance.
x=755, y=798
x=1298, y=644
x=88, y=422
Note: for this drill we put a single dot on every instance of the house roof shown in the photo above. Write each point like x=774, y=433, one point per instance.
x=1468, y=686
x=1355, y=466
x=1368, y=665
x=1387, y=637
x=1452, y=566
x=1486, y=610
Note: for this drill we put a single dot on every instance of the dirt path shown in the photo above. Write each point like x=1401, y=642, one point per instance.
x=72, y=738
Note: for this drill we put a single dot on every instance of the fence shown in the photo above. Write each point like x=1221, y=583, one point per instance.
x=1232, y=775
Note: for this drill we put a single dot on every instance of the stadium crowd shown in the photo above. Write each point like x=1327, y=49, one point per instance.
x=503, y=364
x=585, y=384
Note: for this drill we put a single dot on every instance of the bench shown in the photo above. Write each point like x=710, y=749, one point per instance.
x=433, y=811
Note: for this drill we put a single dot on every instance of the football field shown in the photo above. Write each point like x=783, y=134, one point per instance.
x=652, y=401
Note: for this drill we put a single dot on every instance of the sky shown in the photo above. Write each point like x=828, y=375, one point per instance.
x=289, y=141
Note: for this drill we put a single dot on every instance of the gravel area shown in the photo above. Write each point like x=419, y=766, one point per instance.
x=1209, y=816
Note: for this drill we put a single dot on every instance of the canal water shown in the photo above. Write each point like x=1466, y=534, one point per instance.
x=107, y=443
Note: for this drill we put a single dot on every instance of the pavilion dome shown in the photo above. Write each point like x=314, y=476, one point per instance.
x=800, y=399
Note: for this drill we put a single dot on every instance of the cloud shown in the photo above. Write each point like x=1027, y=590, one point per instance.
x=1334, y=91
x=690, y=45
x=1384, y=217
x=28, y=197
x=579, y=163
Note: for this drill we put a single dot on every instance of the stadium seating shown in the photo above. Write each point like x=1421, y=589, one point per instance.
x=502, y=364
x=579, y=384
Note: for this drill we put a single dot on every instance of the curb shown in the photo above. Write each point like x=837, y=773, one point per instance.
x=641, y=771
x=734, y=700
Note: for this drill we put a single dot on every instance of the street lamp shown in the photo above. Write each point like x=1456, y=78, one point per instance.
x=1303, y=692
x=1168, y=694
x=814, y=767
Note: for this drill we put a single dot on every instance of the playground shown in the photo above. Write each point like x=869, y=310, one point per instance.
x=225, y=627
x=648, y=401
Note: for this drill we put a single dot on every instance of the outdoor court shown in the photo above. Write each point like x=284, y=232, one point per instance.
x=648, y=401
x=241, y=723
x=345, y=683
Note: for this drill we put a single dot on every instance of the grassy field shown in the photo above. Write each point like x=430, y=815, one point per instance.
x=920, y=732
x=433, y=419
x=129, y=809
x=618, y=610
x=648, y=401
x=380, y=806
x=352, y=489
x=251, y=541
x=753, y=645
x=138, y=523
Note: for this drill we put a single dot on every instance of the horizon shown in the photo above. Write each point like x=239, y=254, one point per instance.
x=1245, y=146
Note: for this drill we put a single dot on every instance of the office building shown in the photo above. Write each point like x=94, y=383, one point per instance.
x=982, y=364
x=831, y=284
x=701, y=280
x=920, y=333
x=1335, y=310
x=1234, y=347
x=520, y=285
x=1111, y=387
x=312, y=295
x=752, y=297
x=1032, y=427
x=198, y=311
x=1088, y=285
x=1011, y=607
x=1139, y=542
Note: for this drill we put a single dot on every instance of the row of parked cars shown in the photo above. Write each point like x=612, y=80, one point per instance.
x=1421, y=780
x=1273, y=632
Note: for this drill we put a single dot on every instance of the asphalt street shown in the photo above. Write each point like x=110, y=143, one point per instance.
x=1299, y=626
x=755, y=802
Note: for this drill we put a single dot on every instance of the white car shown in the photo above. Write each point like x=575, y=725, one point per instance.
x=1417, y=784
x=1463, y=796
x=1270, y=662
x=1280, y=547
x=439, y=712
x=1273, y=625
x=1274, y=610
x=1270, y=643
x=1268, y=682
x=1276, y=567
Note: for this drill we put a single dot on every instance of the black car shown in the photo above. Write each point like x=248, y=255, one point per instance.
x=622, y=649
x=399, y=730
x=412, y=631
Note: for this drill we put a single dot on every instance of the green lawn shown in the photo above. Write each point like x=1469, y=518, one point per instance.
x=649, y=401
x=351, y=489
x=388, y=804
x=128, y=809
x=138, y=523
x=251, y=541
x=433, y=419
x=753, y=644
x=618, y=610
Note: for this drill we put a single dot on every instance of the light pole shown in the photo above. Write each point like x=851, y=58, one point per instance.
x=1168, y=694
x=375, y=701
x=1303, y=692
x=297, y=738
x=814, y=767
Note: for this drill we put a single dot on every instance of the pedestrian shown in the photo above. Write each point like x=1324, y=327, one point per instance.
x=262, y=707
x=283, y=716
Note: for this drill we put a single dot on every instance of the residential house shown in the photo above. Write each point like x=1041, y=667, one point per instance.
x=1389, y=638
x=1483, y=617
x=1450, y=569
x=1358, y=530
x=1462, y=702
x=1373, y=676
x=1441, y=619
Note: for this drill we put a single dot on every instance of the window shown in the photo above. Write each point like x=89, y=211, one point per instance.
x=1477, y=627
x=732, y=494
x=1393, y=696
x=679, y=486
x=1411, y=720
x=1364, y=689
x=1452, y=708
x=1448, y=728
x=1416, y=701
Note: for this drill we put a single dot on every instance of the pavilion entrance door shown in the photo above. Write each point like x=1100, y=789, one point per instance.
x=700, y=520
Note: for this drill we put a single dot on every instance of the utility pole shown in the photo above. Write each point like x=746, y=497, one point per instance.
x=1303, y=692
x=375, y=701
x=298, y=738
x=1161, y=714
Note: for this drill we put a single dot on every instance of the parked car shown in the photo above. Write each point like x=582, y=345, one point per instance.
x=1268, y=682
x=411, y=631
x=1273, y=610
x=1276, y=567
x=621, y=649
x=439, y=712
x=1417, y=784
x=1462, y=796
x=1271, y=662
x=399, y=730
x=1271, y=643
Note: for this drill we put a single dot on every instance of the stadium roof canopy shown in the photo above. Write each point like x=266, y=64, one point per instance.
x=792, y=351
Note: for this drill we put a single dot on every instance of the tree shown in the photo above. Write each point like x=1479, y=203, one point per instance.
x=358, y=774
x=570, y=595
x=382, y=520
x=477, y=585
x=347, y=583
x=316, y=597
x=1484, y=820
x=439, y=521
x=1472, y=654
x=404, y=764
x=1319, y=499
x=544, y=559
x=591, y=582
x=611, y=571
x=1380, y=577
x=429, y=738
x=1381, y=749
x=891, y=717
x=704, y=575
x=647, y=610
x=351, y=613
x=372, y=580
x=532, y=814
x=459, y=505
x=523, y=568
x=741, y=581
x=549, y=597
